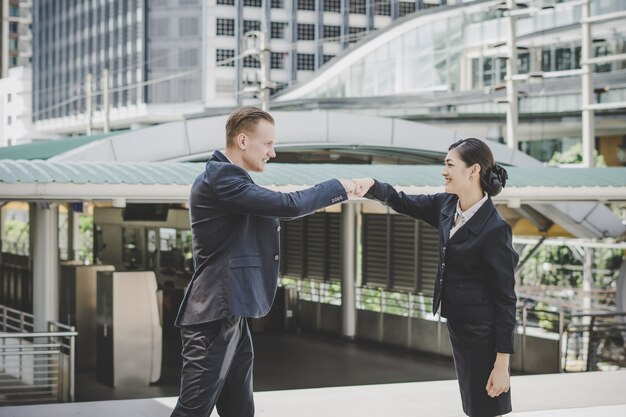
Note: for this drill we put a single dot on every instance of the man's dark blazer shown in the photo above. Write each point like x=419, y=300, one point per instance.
x=475, y=279
x=235, y=229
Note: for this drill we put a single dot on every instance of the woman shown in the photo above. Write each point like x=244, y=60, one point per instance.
x=475, y=280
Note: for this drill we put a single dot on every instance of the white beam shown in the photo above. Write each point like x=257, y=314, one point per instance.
x=134, y=193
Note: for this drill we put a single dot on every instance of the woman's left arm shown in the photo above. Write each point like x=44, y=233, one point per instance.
x=502, y=259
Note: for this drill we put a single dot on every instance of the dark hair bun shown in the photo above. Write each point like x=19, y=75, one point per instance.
x=495, y=180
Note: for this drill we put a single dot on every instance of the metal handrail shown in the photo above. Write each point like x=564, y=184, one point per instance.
x=559, y=321
x=36, y=362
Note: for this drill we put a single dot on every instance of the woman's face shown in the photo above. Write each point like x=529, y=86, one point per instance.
x=457, y=174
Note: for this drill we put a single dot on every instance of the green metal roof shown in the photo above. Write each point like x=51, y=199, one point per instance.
x=173, y=173
x=49, y=148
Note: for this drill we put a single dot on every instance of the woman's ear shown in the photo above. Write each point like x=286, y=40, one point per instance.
x=475, y=169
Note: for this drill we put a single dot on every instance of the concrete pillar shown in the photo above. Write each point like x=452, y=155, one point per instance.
x=348, y=256
x=45, y=256
x=73, y=232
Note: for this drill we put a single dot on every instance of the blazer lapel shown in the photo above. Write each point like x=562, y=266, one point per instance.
x=475, y=224
x=447, y=220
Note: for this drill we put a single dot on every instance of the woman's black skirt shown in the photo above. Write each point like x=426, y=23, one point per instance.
x=473, y=347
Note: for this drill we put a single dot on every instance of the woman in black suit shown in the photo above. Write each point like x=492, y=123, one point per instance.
x=475, y=279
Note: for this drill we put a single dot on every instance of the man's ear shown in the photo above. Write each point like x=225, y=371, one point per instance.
x=241, y=141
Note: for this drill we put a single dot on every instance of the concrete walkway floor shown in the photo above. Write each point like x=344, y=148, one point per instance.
x=590, y=394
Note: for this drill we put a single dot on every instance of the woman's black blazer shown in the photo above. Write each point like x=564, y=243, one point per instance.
x=475, y=279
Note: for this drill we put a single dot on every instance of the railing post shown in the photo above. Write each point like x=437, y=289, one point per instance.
x=409, y=331
x=590, y=343
x=72, y=363
x=438, y=332
x=523, y=352
x=561, y=333
x=381, y=330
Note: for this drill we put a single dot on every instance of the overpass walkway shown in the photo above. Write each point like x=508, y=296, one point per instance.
x=589, y=394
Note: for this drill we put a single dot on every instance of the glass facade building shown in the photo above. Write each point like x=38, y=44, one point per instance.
x=452, y=62
x=184, y=52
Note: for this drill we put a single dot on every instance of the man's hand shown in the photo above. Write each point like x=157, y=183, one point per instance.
x=363, y=185
x=349, y=186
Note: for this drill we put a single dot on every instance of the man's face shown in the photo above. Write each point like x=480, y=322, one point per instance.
x=259, y=147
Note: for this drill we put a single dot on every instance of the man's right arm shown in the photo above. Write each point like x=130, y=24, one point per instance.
x=234, y=191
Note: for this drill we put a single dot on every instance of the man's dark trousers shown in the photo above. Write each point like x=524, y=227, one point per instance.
x=217, y=369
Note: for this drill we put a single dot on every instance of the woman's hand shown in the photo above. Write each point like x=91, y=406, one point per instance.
x=363, y=185
x=499, y=380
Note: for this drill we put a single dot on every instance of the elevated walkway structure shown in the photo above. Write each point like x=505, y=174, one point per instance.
x=580, y=395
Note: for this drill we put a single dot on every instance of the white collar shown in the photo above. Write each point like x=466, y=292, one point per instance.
x=467, y=214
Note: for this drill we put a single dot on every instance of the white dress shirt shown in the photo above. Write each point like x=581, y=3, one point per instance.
x=461, y=217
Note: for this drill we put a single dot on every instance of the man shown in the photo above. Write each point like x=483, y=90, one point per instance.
x=235, y=229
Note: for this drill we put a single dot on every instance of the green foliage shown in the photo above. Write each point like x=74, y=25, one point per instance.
x=85, y=227
x=16, y=237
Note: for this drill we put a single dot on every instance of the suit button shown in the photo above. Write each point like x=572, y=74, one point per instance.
x=444, y=250
x=276, y=257
x=278, y=229
x=443, y=265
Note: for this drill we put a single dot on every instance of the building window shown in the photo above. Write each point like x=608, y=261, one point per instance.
x=188, y=57
x=9, y=97
x=488, y=71
x=546, y=60
x=523, y=63
x=475, y=72
x=332, y=6
x=306, y=32
x=159, y=58
x=358, y=7
x=601, y=50
x=251, y=62
x=188, y=2
x=355, y=33
x=253, y=3
x=406, y=8
x=277, y=60
x=249, y=25
x=278, y=30
x=306, y=62
x=278, y=4
x=13, y=27
x=328, y=58
x=159, y=27
x=12, y=43
x=306, y=4
x=225, y=27
x=223, y=55
x=563, y=59
x=332, y=33
x=14, y=11
x=9, y=120
x=188, y=26
x=382, y=7
x=226, y=2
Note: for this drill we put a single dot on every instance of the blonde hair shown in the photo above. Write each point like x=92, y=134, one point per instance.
x=244, y=120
